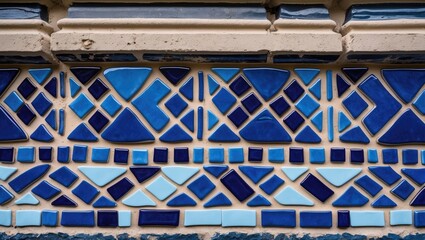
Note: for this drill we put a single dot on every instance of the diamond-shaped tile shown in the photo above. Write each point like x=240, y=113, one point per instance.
x=41, y=104
x=307, y=105
x=98, y=89
x=81, y=105
x=161, y=188
x=176, y=105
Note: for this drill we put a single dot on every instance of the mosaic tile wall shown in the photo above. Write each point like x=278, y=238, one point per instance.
x=202, y=145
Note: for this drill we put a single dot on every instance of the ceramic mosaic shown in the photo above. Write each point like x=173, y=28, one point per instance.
x=223, y=146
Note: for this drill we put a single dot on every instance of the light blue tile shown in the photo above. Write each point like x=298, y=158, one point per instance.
x=216, y=155
x=5, y=218
x=13, y=101
x=161, y=188
x=276, y=155
x=236, y=155
x=102, y=175
x=124, y=218
x=25, y=154
x=291, y=197
x=202, y=218
x=26, y=218
x=401, y=217
x=198, y=155
x=138, y=199
x=239, y=218
x=367, y=218
x=179, y=174
x=317, y=155
x=372, y=155
x=100, y=155
x=140, y=156
x=6, y=172
x=338, y=176
x=293, y=173
x=27, y=199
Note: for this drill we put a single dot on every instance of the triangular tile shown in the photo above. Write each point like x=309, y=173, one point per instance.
x=307, y=74
x=179, y=175
x=6, y=172
x=40, y=75
x=291, y=197
x=138, y=199
x=174, y=74
x=419, y=198
x=127, y=128
x=85, y=74
x=83, y=134
x=7, y=76
x=144, y=173
x=267, y=81
x=341, y=85
x=317, y=121
x=225, y=73
x=307, y=135
x=354, y=135
x=354, y=73
x=11, y=131
x=343, y=122
x=416, y=174
x=189, y=120
x=74, y=87
x=350, y=198
x=258, y=201
x=176, y=135
x=256, y=173
x=64, y=201
x=338, y=176
x=104, y=202
x=102, y=175
x=127, y=81
x=212, y=85
x=218, y=200
x=27, y=199
x=384, y=202
x=265, y=128
x=187, y=89
x=223, y=134
x=181, y=200
x=406, y=83
x=216, y=170
x=212, y=120
x=52, y=87
x=293, y=173
x=41, y=134
x=316, y=89
x=51, y=119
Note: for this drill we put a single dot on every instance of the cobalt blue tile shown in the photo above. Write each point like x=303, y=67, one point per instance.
x=385, y=173
x=7, y=154
x=390, y=156
x=354, y=104
x=343, y=218
x=111, y=105
x=84, y=74
x=354, y=73
x=100, y=155
x=25, y=154
x=181, y=155
x=98, y=121
x=294, y=120
x=144, y=173
x=52, y=87
x=223, y=134
x=5, y=195
x=45, y=154
x=64, y=176
x=236, y=185
x=296, y=155
x=176, y=105
x=403, y=190
x=107, y=218
x=77, y=218
x=81, y=106
x=415, y=174
x=350, y=198
x=28, y=177
x=271, y=184
x=189, y=120
x=356, y=155
x=49, y=218
x=369, y=185
x=410, y=156
x=316, y=219
x=383, y=202
x=337, y=154
x=41, y=134
x=280, y=105
x=121, y=155
x=8, y=76
x=251, y=103
x=216, y=170
x=239, y=86
x=159, y=217
x=26, y=114
x=181, y=200
x=120, y=188
x=83, y=134
x=160, y=155
x=26, y=88
x=224, y=100
x=63, y=154
x=79, y=153
x=341, y=85
x=85, y=191
x=419, y=217
x=41, y=104
x=396, y=78
x=174, y=74
x=13, y=101
x=176, y=135
x=104, y=202
x=258, y=201
x=64, y=201
x=45, y=190
x=419, y=198
x=307, y=135
x=98, y=89
x=201, y=187
x=278, y=218
x=187, y=88
x=216, y=155
x=11, y=130
x=238, y=116
x=255, y=173
x=51, y=119
x=316, y=187
x=255, y=154
x=294, y=90
x=218, y=200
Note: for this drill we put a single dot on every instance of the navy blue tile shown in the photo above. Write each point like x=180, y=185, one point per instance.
x=343, y=218
x=294, y=120
x=84, y=74
x=296, y=155
x=337, y=154
x=159, y=217
x=120, y=188
x=6, y=154
x=201, y=187
x=294, y=90
x=390, y=156
x=403, y=190
x=98, y=121
x=174, y=74
x=255, y=154
x=64, y=201
x=26, y=88
x=251, y=103
x=45, y=154
x=77, y=219
x=121, y=155
x=278, y=218
x=410, y=156
x=64, y=176
x=419, y=199
x=160, y=155
x=79, y=153
x=369, y=185
x=52, y=87
x=63, y=154
x=26, y=114
x=236, y=185
x=316, y=187
x=107, y=218
x=271, y=184
x=85, y=191
x=181, y=155
x=28, y=177
x=239, y=86
x=238, y=117
x=45, y=190
x=356, y=155
x=316, y=219
x=280, y=106
x=354, y=73
x=144, y=173
x=98, y=89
